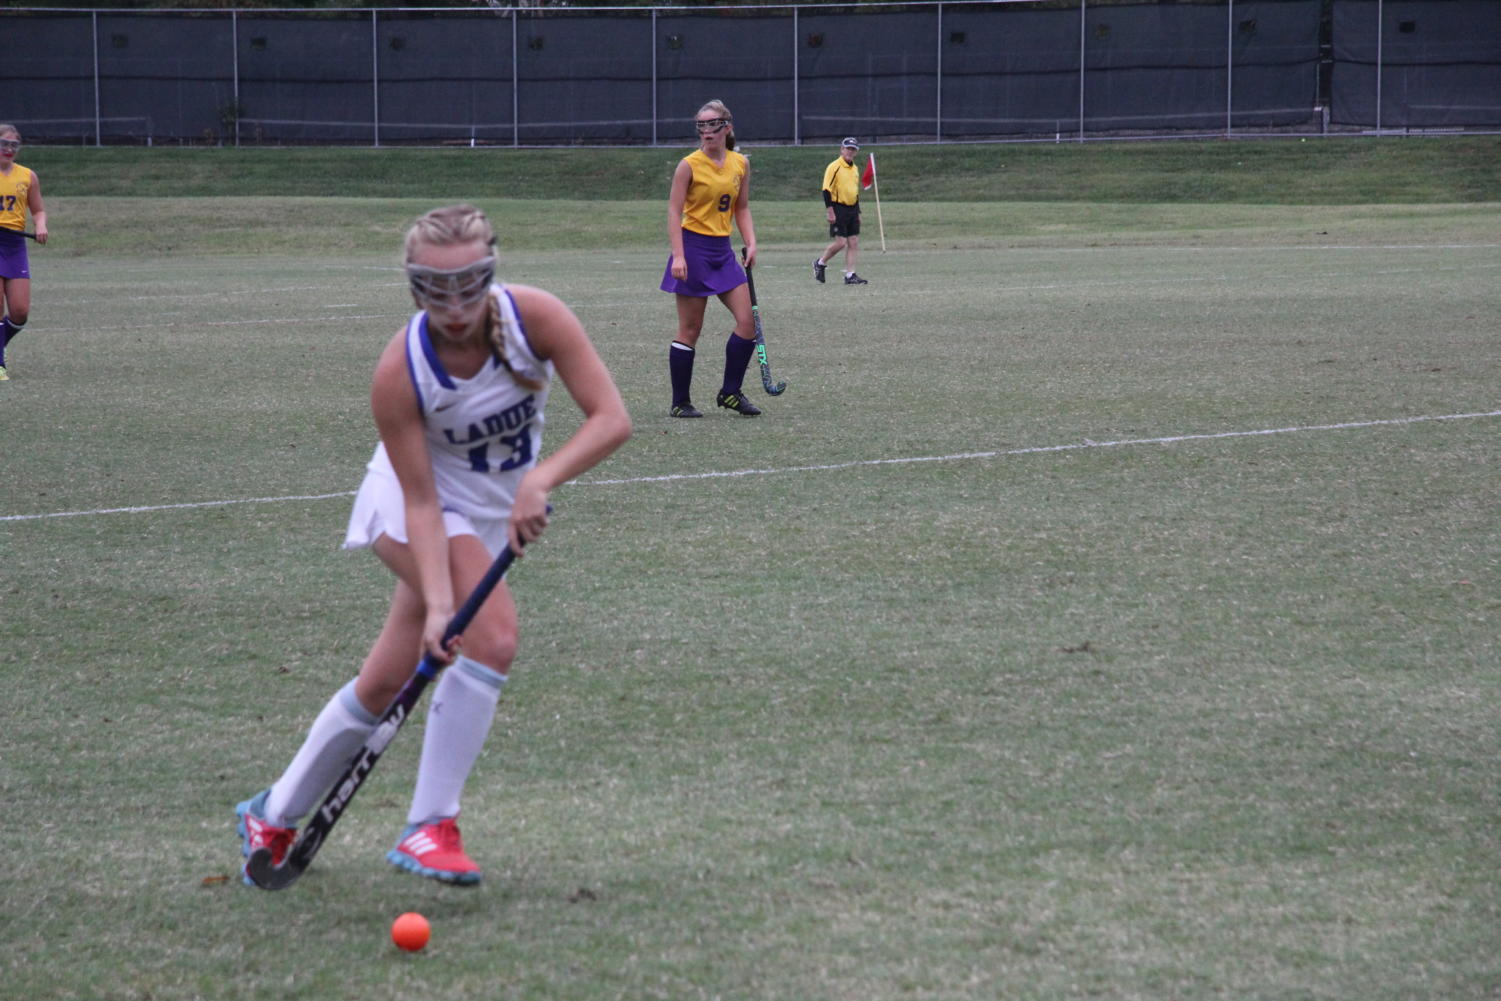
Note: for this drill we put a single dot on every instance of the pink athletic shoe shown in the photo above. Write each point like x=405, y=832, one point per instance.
x=435, y=850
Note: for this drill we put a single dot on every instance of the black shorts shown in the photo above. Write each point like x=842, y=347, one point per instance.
x=846, y=221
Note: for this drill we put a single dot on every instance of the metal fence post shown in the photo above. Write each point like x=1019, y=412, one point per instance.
x=1229, y=65
x=654, y=76
x=94, y=20
x=1082, y=5
x=1380, y=53
x=797, y=106
x=938, y=89
x=374, y=79
x=234, y=40
x=515, y=79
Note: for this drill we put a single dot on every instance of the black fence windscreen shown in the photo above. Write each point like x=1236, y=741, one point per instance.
x=793, y=74
x=1417, y=64
x=445, y=79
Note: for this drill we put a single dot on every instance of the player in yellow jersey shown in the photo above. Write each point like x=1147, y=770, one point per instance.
x=20, y=193
x=710, y=192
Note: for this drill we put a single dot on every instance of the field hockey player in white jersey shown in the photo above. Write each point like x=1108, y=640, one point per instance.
x=458, y=396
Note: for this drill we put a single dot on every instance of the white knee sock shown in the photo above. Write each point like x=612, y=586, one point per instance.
x=337, y=733
x=457, y=723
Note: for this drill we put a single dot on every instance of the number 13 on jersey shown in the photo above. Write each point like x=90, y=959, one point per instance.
x=521, y=453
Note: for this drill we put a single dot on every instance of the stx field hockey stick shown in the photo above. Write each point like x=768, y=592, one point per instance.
x=772, y=388
x=277, y=877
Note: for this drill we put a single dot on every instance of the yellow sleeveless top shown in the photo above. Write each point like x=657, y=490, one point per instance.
x=15, y=188
x=709, y=207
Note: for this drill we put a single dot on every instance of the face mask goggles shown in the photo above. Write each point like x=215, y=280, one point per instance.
x=10, y=144
x=459, y=288
x=711, y=126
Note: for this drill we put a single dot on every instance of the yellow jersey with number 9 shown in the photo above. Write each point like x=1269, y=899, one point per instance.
x=15, y=190
x=709, y=206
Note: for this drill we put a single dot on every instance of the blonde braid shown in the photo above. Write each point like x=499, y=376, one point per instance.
x=495, y=329
x=455, y=224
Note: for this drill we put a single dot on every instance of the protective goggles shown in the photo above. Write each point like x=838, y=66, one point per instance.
x=10, y=144
x=709, y=126
x=460, y=287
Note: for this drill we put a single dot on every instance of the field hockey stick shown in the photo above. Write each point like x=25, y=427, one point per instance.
x=22, y=232
x=772, y=388
x=277, y=877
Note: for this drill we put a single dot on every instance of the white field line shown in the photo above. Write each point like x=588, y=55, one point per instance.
x=827, y=467
x=1043, y=449
x=174, y=507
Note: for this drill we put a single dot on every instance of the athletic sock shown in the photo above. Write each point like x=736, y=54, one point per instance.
x=737, y=356
x=12, y=331
x=680, y=364
x=5, y=332
x=330, y=745
x=457, y=722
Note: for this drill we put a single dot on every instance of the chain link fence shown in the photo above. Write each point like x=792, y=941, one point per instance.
x=952, y=71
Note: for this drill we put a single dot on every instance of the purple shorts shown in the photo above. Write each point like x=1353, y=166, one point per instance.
x=712, y=268
x=13, y=260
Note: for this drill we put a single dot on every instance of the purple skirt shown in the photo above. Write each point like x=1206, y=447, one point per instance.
x=712, y=267
x=13, y=260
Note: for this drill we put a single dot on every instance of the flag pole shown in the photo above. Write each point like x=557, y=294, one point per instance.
x=875, y=183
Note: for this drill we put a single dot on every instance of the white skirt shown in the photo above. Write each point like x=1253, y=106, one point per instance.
x=380, y=509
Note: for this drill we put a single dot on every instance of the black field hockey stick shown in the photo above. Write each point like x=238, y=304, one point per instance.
x=278, y=877
x=22, y=232
x=772, y=388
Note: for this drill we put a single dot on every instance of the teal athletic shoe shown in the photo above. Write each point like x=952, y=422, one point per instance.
x=255, y=833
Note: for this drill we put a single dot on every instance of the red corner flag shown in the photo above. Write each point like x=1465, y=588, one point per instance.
x=869, y=177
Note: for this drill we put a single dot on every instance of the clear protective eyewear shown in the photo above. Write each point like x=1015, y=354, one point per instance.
x=10, y=144
x=709, y=126
x=458, y=288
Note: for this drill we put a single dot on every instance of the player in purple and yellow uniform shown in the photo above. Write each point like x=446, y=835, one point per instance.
x=20, y=193
x=710, y=191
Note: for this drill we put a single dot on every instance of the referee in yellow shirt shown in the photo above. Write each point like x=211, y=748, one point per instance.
x=841, y=199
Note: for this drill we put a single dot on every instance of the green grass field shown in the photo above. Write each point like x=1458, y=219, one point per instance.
x=1106, y=610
